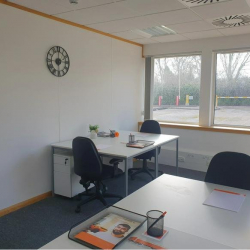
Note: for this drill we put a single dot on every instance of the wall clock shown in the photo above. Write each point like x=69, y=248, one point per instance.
x=58, y=61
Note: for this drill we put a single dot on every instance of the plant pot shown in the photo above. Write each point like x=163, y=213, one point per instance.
x=93, y=134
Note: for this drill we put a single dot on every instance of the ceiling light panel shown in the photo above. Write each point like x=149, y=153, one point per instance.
x=192, y=3
x=154, y=31
x=232, y=21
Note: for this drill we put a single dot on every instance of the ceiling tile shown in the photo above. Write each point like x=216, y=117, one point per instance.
x=125, y=24
x=203, y=34
x=222, y=9
x=145, y=7
x=45, y=6
x=144, y=41
x=236, y=31
x=192, y=3
x=191, y=27
x=102, y=13
x=81, y=4
x=174, y=17
x=170, y=38
x=127, y=35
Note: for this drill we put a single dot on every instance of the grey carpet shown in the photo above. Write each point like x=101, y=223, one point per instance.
x=36, y=225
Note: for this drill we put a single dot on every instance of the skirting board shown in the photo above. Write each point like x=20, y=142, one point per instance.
x=24, y=203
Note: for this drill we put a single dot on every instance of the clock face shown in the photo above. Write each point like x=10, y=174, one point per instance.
x=58, y=61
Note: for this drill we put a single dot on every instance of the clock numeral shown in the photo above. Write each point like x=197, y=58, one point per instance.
x=54, y=50
x=50, y=66
x=58, y=49
x=49, y=60
x=58, y=73
x=54, y=71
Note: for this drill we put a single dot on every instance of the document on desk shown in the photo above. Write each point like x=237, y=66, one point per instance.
x=102, y=146
x=225, y=200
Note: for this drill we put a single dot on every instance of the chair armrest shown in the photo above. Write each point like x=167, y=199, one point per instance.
x=115, y=161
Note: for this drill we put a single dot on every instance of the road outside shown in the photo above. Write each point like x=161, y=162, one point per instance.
x=224, y=115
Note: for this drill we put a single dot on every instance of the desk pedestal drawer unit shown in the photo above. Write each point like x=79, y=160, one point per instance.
x=66, y=182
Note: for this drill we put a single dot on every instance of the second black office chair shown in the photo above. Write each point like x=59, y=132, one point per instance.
x=88, y=165
x=230, y=169
x=149, y=126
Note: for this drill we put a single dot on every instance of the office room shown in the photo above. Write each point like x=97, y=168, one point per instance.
x=171, y=72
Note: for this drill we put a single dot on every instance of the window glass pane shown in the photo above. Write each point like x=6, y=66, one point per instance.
x=177, y=89
x=232, y=92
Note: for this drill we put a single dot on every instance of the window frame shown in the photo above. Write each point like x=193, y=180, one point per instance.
x=213, y=85
x=196, y=53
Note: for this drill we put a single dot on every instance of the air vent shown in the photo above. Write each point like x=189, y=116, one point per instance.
x=232, y=21
x=154, y=31
x=192, y=3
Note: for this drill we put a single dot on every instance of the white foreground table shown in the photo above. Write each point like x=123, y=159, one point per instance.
x=182, y=199
x=117, y=148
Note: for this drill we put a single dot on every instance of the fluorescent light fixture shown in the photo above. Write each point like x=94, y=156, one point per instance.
x=154, y=31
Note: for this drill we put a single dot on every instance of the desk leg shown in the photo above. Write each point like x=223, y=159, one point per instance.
x=128, y=165
x=156, y=162
x=177, y=158
x=53, y=191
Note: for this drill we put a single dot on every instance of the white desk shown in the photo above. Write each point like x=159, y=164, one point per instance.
x=182, y=199
x=119, y=150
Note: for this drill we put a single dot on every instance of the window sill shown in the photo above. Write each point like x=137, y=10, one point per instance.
x=201, y=128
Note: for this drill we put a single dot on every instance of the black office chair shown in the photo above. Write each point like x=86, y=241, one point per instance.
x=230, y=169
x=149, y=126
x=88, y=165
x=116, y=170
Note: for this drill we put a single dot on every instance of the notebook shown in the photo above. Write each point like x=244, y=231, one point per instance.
x=140, y=144
x=225, y=200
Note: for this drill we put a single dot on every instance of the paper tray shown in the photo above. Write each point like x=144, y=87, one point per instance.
x=87, y=222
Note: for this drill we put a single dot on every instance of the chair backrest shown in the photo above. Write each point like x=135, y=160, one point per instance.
x=151, y=126
x=230, y=169
x=87, y=162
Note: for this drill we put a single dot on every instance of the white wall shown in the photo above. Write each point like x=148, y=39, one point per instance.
x=103, y=86
x=199, y=143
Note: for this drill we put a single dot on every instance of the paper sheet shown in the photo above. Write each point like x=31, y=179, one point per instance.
x=102, y=146
x=225, y=200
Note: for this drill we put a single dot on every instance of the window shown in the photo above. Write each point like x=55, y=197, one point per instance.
x=176, y=91
x=232, y=89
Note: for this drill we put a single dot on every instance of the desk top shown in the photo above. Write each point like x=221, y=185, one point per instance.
x=182, y=199
x=118, y=144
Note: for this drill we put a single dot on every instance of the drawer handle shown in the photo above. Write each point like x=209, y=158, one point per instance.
x=66, y=161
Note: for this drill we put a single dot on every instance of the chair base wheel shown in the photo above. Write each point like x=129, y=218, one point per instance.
x=78, y=210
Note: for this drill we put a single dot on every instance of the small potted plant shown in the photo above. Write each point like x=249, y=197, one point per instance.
x=93, y=129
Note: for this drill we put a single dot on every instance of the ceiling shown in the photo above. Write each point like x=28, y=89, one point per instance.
x=190, y=19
